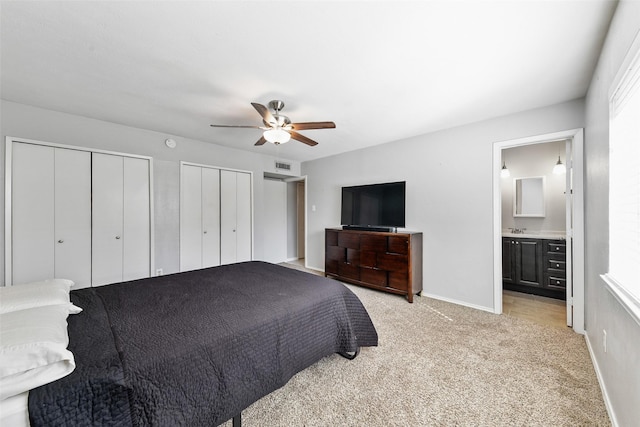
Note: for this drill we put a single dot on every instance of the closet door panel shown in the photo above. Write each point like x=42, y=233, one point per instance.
x=73, y=216
x=191, y=218
x=243, y=217
x=32, y=213
x=210, y=217
x=136, y=234
x=107, y=211
x=227, y=217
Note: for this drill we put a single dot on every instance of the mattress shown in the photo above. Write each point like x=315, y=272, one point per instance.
x=196, y=348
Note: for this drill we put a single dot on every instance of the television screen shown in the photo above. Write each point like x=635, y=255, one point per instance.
x=375, y=205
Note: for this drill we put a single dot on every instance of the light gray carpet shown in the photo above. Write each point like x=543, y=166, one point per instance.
x=440, y=364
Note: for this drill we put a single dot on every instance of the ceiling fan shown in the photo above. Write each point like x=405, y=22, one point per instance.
x=278, y=128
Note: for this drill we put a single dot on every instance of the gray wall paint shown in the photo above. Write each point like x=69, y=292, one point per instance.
x=619, y=367
x=24, y=121
x=536, y=160
x=449, y=195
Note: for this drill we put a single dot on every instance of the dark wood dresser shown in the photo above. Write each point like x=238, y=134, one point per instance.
x=390, y=262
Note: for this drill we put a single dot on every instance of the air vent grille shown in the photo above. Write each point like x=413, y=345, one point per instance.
x=283, y=166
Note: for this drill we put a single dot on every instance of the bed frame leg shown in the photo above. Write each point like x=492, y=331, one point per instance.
x=346, y=355
x=237, y=420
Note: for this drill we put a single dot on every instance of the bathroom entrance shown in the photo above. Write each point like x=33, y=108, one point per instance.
x=538, y=242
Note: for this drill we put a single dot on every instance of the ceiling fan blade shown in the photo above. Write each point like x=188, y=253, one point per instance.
x=236, y=126
x=295, y=135
x=267, y=117
x=313, y=125
x=261, y=141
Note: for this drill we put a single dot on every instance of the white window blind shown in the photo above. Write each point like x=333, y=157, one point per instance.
x=624, y=186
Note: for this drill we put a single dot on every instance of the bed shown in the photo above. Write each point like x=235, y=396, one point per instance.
x=196, y=348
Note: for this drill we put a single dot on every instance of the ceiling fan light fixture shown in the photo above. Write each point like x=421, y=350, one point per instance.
x=277, y=135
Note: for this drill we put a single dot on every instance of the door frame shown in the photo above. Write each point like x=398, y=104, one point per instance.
x=575, y=229
x=303, y=178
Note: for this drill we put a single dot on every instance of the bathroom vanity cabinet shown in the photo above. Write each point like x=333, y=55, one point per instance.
x=534, y=266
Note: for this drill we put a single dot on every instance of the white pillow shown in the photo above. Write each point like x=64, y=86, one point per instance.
x=33, y=348
x=37, y=294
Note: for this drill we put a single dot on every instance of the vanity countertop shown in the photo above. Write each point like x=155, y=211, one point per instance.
x=541, y=235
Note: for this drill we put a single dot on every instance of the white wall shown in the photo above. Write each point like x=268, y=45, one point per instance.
x=535, y=160
x=449, y=195
x=24, y=121
x=275, y=218
x=619, y=367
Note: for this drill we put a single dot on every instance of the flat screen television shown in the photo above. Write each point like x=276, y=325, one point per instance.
x=376, y=206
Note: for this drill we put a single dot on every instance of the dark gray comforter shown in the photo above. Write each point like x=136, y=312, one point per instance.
x=196, y=348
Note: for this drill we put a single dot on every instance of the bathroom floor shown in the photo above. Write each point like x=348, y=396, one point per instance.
x=541, y=310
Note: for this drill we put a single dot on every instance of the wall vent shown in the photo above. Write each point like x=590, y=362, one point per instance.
x=283, y=166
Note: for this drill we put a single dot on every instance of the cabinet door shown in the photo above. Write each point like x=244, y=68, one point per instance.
x=136, y=235
x=529, y=262
x=508, y=260
x=32, y=220
x=108, y=209
x=191, y=218
x=210, y=217
x=73, y=216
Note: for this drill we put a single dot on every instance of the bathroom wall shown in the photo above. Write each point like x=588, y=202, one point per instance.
x=529, y=161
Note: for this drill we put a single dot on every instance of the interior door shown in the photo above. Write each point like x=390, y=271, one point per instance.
x=210, y=217
x=136, y=232
x=73, y=216
x=108, y=211
x=32, y=226
x=569, y=227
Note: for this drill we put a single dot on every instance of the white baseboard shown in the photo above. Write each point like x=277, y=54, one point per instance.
x=454, y=301
x=603, y=388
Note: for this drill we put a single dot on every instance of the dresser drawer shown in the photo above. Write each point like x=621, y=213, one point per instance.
x=349, y=271
x=349, y=240
x=554, y=264
x=373, y=276
x=393, y=262
x=556, y=247
x=556, y=282
x=398, y=245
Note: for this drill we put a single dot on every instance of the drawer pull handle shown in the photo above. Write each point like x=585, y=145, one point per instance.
x=558, y=265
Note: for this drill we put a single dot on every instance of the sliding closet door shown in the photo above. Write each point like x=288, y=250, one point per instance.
x=190, y=218
x=108, y=212
x=32, y=213
x=121, y=219
x=136, y=250
x=228, y=213
x=73, y=216
x=51, y=214
x=210, y=217
x=243, y=217
x=235, y=216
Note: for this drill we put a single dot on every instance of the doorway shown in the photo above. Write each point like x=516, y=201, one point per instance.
x=574, y=220
x=296, y=220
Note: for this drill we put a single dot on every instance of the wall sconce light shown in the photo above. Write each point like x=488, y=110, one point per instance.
x=559, y=168
x=504, y=172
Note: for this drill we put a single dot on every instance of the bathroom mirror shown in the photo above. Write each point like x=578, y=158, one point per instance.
x=528, y=197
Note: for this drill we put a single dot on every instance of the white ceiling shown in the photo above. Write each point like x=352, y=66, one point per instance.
x=382, y=71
